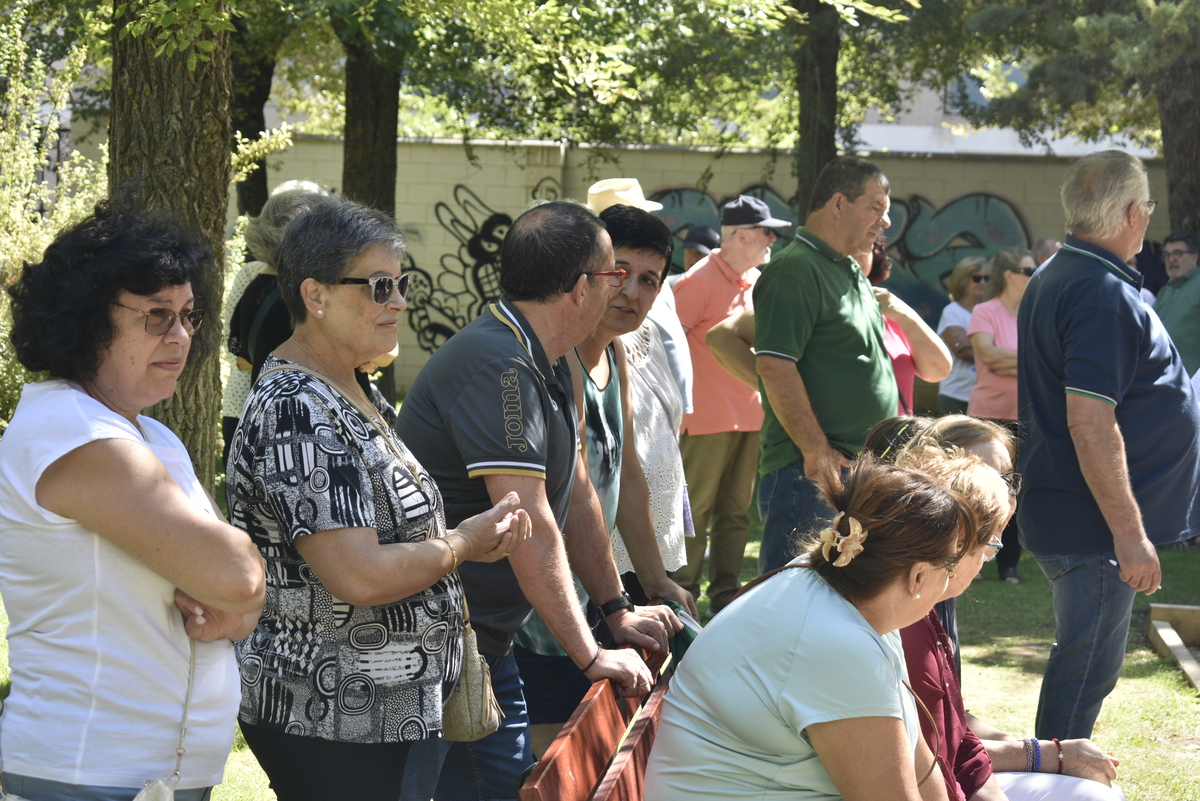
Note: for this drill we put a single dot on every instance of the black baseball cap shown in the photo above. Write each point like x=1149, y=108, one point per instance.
x=748, y=210
x=702, y=238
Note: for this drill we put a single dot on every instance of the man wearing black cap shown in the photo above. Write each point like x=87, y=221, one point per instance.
x=719, y=442
x=701, y=240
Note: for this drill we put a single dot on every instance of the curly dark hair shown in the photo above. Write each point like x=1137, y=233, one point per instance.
x=61, y=307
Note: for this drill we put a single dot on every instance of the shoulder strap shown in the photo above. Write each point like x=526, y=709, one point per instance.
x=260, y=317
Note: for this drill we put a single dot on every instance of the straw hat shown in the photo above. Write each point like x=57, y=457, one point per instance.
x=619, y=192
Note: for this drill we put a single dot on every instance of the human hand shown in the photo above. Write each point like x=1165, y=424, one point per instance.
x=885, y=300
x=649, y=627
x=1083, y=759
x=494, y=534
x=668, y=590
x=1139, y=564
x=625, y=668
x=827, y=461
x=206, y=624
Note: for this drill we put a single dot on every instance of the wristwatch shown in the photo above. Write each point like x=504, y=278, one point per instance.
x=622, y=601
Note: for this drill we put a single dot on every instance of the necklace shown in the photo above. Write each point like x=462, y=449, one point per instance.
x=356, y=391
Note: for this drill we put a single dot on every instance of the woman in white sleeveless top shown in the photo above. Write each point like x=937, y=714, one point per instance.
x=115, y=564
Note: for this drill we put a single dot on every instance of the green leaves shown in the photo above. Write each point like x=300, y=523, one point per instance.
x=179, y=26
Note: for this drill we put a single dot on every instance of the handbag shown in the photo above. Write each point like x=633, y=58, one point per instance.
x=158, y=789
x=472, y=711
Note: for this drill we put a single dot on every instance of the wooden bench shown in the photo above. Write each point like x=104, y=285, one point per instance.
x=599, y=754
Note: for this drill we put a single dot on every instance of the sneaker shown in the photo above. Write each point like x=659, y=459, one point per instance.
x=1009, y=576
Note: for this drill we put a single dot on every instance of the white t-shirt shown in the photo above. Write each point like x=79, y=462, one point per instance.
x=788, y=654
x=98, y=651
x=958, y=384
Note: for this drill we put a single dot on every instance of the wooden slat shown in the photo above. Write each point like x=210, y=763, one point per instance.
x=574, y=763
x=625, y=778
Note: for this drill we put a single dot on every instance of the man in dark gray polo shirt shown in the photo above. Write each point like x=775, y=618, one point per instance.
x=1110, y=437
x=492, y=412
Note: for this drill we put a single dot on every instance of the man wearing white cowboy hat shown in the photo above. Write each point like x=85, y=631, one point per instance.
x=719, y=442
x=619, y=192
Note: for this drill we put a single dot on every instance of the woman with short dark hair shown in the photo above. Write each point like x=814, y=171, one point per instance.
x=121, y=579
x=797, y=689
x=360, y=644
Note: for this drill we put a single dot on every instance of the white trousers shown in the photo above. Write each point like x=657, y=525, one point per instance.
x=1052, y=787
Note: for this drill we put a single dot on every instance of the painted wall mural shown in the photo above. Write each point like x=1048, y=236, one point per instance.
x=925, y=243
x=469, y=278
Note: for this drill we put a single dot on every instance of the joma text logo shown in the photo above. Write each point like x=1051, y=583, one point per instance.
x=510, y=396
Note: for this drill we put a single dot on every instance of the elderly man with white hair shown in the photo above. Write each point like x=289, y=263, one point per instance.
x=1111, y=437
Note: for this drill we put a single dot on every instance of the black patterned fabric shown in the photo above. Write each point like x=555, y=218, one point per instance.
x=304, y=460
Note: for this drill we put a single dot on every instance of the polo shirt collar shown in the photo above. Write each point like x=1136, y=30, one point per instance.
x=1107, y=258
x=818, y=244
x=1178, y=282
x=506, y=312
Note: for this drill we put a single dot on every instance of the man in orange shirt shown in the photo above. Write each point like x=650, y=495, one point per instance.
x=719, y=442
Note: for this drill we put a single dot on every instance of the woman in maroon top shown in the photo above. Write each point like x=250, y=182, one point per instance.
x=979, y=762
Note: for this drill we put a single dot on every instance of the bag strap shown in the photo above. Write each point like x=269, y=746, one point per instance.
x=260, y=317
x=937, y=734
x=187, y=706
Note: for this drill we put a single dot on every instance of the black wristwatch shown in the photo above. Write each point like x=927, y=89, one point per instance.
x=622, y=601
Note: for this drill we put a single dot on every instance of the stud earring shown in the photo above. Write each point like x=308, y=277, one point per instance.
x=320, y=312
x=917, y=596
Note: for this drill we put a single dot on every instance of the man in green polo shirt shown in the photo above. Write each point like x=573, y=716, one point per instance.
x=825, y=375
x=1178, y=303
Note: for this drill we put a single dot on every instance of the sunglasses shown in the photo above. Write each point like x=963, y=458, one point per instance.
x=618, y=275
x=160, y=321
x=980, y=279
x=1014, y=482
x=381, y=286
x=995, y=545
x=1022, y=270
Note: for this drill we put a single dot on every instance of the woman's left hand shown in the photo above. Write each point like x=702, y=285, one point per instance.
x=492, y=535
x=206, y=624
x=1083, y=759
x=670, y=591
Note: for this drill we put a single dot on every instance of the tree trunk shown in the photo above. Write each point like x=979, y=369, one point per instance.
x=253, y=52
x=816, y=56
x=372, y=114
x=169, y=134
x=1178, y=92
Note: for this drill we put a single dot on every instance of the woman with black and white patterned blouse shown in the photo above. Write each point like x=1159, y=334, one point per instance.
x=360, y=640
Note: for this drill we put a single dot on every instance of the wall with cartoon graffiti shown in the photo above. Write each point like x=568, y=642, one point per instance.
x=456, y=211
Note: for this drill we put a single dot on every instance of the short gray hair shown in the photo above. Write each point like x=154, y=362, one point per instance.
x=1099, y=189
x=264, y=231
x=324, y=239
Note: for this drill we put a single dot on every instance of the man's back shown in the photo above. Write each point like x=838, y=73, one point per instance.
x=1085, y=330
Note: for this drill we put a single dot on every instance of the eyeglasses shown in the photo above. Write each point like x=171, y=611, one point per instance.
x=1014, y=482
x=1027, y=271
x=980, y=279
x=1150, y=205
x=617, y=274
x=160, y=321
x=381, y=286
x=1176, y=254
x=995, y=545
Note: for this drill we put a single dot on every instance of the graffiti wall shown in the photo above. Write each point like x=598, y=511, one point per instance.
x=456, y=211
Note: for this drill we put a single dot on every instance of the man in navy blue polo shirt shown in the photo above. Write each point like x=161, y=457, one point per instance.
x=493, y=412
x=1111, y=437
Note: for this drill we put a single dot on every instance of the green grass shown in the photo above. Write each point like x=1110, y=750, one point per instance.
x=1151, y=721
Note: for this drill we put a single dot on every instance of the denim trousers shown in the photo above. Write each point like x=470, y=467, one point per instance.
x=1092, y=607
x=791, y=507
x=486, y=770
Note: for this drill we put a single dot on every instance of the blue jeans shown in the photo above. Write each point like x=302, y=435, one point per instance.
x=486, y=770
x=1092, y=607
x=791, y=507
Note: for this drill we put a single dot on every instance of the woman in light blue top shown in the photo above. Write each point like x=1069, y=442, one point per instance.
x=797, y=689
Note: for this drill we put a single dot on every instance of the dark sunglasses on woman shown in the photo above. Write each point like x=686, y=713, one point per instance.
x=381, y=286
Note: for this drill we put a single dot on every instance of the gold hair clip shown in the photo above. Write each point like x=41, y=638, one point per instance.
x=848, y=545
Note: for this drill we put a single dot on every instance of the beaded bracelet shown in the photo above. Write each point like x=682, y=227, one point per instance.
x=1028, y=756
x=1060, y=754
x=1037, y=755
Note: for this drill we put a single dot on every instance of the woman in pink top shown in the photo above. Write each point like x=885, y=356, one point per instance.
x=993, y=335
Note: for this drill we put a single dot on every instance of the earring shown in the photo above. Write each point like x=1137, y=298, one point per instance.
x=320, y=312
x=917, y=596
